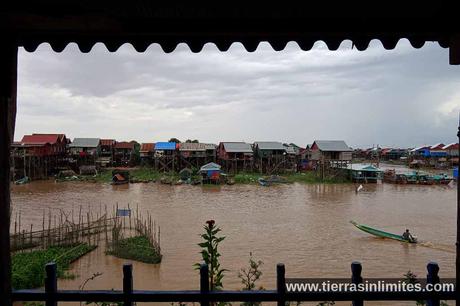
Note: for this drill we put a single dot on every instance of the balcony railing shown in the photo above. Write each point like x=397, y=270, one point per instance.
x=51, y=295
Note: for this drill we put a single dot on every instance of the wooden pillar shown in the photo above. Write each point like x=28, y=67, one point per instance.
x=8, y=82
x=454, y=51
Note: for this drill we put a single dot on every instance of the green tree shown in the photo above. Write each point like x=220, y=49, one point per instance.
x=174, y=140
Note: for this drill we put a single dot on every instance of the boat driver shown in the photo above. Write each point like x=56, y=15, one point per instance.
x=408, y=236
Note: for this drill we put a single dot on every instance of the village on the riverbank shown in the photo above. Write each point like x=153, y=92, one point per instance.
x=41, y=156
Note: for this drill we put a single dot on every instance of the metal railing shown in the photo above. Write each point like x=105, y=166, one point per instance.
x=51, y=295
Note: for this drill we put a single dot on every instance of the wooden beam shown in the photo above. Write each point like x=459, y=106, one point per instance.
x=454, y=51
x=8, y=83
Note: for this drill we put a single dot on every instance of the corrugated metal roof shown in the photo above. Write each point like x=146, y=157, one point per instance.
x=143, y=22
x=437, y=146
x=269, y=145
x=291, y=150
x=85, y=143
x=165, y=146
x=332, y=145
x=237, y=147
x=450, y=146
x=210, y=167
x=210, y=146
x=124, y=145
x=108, y=142
x=147, y=147
x=420, y=148
x=41, y=138
x=191, y=146
x=364, y=167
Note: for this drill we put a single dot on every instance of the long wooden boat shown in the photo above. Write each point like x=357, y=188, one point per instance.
x=380, y=233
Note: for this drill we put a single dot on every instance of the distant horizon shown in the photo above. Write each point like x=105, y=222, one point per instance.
x=404, y=97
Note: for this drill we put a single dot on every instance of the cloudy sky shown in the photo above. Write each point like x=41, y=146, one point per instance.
x=402, y=98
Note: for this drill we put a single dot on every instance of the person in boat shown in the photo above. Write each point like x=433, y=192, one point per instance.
x=408, y=236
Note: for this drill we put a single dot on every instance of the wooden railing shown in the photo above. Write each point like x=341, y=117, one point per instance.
x=51, y=295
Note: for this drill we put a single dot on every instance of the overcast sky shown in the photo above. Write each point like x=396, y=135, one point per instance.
x=401, y=98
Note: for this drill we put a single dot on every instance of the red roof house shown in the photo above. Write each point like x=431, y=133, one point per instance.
x=43, y=144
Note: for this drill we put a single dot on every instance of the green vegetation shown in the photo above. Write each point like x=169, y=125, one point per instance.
x=246, y=178
x=145, y=174
x=303, y=177
x=136, y=248
x=312, y=178
x=28, y=268
x=210, y=254
x=102, y=176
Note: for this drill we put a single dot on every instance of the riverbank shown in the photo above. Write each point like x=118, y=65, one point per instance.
x=145, y=175
x=149, y=175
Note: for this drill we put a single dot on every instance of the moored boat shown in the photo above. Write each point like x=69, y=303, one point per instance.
x=380, y=233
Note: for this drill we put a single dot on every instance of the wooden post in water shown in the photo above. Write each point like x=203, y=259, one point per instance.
x=204, y=283
x=43, y=230
x=356, y=278
x=281, y=283
x=432, y=278
x=8, y=89
x=49, y=227
x=127, y=283
x=51, y=284
x=31, y=230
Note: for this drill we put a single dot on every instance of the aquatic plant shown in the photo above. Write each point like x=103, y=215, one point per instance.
x=210, y=254
x=28, y=268
x=136, y=248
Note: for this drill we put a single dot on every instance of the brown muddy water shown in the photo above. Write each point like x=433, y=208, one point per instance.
x=306, y=227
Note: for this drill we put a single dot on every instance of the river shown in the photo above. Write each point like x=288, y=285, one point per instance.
x=306, y=227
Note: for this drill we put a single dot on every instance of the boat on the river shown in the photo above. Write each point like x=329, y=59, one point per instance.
x=416, y=177
x=273, y=179
x=22, y=181
x=382, y=234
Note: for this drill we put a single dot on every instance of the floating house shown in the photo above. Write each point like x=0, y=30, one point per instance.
x=38, y=155
x=451, y=149
x=193, y=154
x=146, y=153
x=420, y=152
x=83, y=147
x=211, y=173
x=43, y=144
x=120, y=177
x=452, y=152
x=331, y=150
x=165, y=156
x=124, y=153
x=235, y=156
x=362, y=173
x=269, y=156
x=192, y=149
x=106, y=154
x=293, y=157
x=438, y=151
x=211, y=152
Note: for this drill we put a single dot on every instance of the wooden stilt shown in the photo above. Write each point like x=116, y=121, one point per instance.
x=8, y=88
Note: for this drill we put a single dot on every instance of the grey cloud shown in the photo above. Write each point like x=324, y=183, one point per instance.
x=375, y=96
